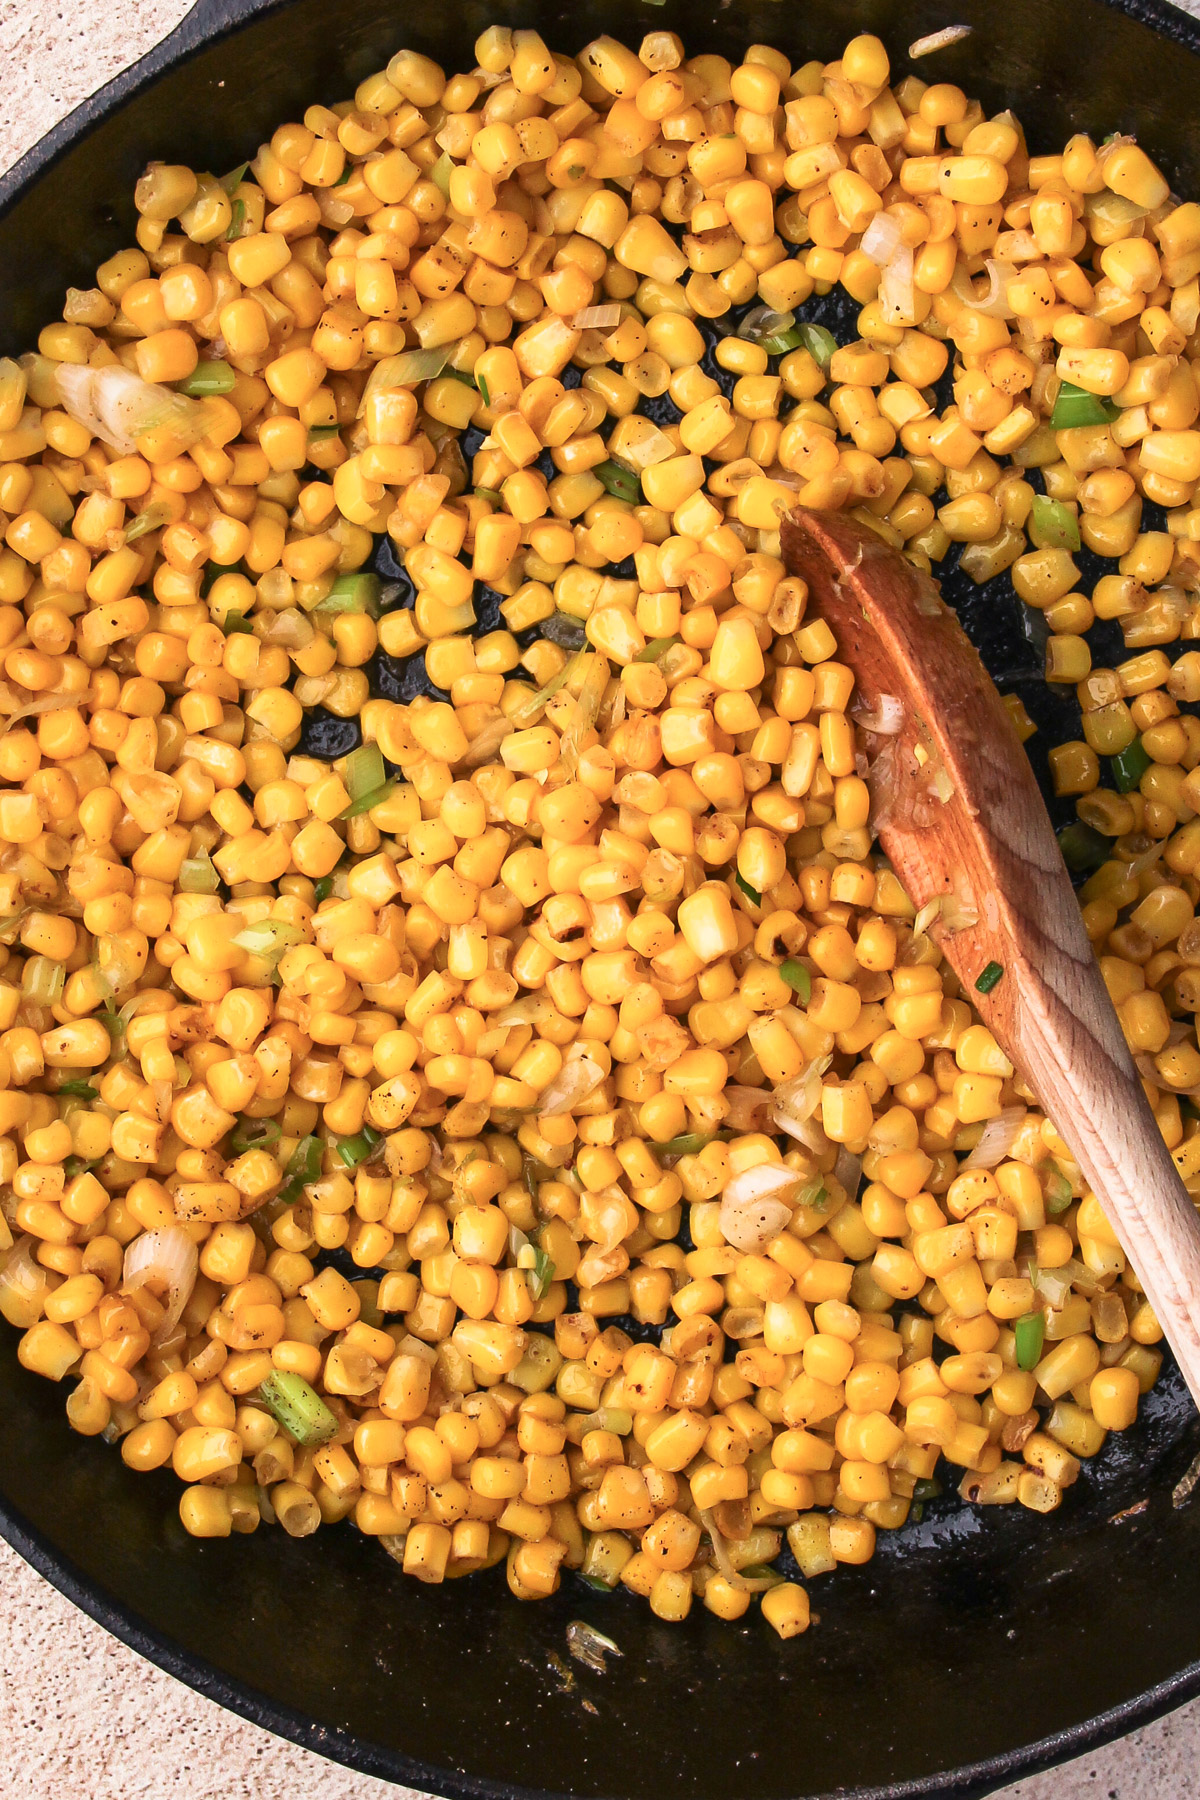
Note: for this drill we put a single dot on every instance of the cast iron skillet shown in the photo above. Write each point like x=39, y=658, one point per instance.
x=976, y=1646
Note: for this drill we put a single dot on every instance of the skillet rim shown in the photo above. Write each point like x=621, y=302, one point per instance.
x=207, y=22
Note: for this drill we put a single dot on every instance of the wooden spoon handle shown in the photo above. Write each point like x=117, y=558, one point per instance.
x=963, y=822
x=1071, y=1049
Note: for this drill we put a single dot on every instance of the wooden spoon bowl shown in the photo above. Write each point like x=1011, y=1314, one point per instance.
x=961, y=819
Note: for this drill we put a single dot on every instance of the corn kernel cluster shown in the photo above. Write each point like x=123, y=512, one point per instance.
x=348, y=1105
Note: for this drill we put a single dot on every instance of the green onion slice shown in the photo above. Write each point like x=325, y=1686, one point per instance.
x=197, y=875
x=619, y=481
x=689, y=1144
x=481, y=384
x=987, y=978
x=752, y=894
x=1030, y=1333
x=1055, y=526
x=322, y=888
x=1057, y=1192
x=236, y=222
x=815, y=1195
x=254, y=1134
x=1083, y=849
x=797, y=978
x=783, y=341
x=819, y=343
x=364, y=771
x=149, y=519
x=1075, y=406
x=269, y=937
x=374, y=797
x=298, y=1407
x=82, y=1090
x=208, y=378
x=233, y=181
x=304, y=1165
x=234, y=622
x=441, y=172
x=656, y=648
x=355, y=1150
x=357, y=593
x=1128, y=766
x=541, y=1274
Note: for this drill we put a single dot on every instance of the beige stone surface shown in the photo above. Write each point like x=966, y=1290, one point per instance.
x=82, y=1717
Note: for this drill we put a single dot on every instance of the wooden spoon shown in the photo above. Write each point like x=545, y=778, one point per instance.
x=962, y=820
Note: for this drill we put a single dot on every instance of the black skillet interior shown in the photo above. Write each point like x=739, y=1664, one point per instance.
x=977, y=1645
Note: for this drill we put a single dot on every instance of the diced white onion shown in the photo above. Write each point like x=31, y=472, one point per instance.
x=886, y=717
x=996, y=1139
x=938, y=40
x=23, y=1284
x=573, y=1083
x=589, y=1646
x=928, y=913
x=169, y=1259
x=754, y=1205
x=881, y=239
x=897, y=291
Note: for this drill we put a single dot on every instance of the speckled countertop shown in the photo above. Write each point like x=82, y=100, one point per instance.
x=82, y=1717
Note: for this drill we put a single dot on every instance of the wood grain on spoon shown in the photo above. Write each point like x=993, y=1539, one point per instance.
x=963, y=821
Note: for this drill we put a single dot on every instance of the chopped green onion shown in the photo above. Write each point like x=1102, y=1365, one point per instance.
x=236, y=222
x=82, y=1090
x=1075, y=406
x=319, y=434
x=463, y=375
x=797, y=978
x=441, y=172
x=345, y=175
x=298, y=1407
x=688, y=1145
x=816, y=1195
x=233, y=181
x=1128, y=766
x=762, y=1572
x=489, y=494
x=752, y=894
x=76, y=1165
x=1083, y=849
x=198, y=876
x=987, y=978
x=364, y=771
x=593, y=1581
x=1030, y=1333
x=154, y=515
x=364, y=803
x=269, y=937
x=43, y=980
x=481, y=384
x=1058, y=1195
x=322, y=888
x=355, y=1150
x=916, y=1512
x=1055, y=526
x=819, y=343
x=541, y=1274
x=619, y=481
x=304, y=1165
x=783, y=341
x=208, y=378
x=927, y=1488
x=234, y=622
x=655, y=648
x=254, y=1134
x=525, y=711
x=357, y=593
